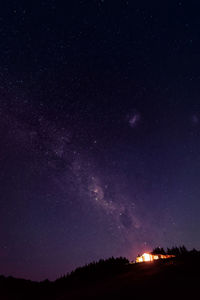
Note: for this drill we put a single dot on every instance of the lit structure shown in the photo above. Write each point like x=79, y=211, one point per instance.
x=151, y=257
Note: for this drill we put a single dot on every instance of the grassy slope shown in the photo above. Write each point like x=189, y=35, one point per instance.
x=172, y=279
x=165, y=279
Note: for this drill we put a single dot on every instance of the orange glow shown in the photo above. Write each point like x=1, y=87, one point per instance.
x=147, y=257
x=140, y=259
x=155, y=257
x=152, y=257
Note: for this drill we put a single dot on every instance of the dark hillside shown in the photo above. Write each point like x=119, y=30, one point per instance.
x=164, y=279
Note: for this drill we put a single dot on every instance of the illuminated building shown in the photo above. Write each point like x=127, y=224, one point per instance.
x=151, y=257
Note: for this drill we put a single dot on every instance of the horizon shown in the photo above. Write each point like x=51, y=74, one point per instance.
x=166, y=251
x=96, y=261
x=99, y=130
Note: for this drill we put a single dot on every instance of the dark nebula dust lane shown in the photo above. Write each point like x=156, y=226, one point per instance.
x=99, y=132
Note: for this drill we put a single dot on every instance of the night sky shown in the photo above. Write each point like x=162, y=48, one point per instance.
x=99, y=131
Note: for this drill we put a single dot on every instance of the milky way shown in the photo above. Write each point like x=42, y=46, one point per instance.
x=60, y=176
x=99, y=129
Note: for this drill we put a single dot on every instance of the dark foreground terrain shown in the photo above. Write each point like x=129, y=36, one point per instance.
x=177, y=278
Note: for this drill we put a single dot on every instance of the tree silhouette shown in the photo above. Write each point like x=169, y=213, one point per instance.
x=96, y=270
x=177, y=251
x=158, y=250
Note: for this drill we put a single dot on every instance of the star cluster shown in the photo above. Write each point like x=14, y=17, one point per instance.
x=99, y=129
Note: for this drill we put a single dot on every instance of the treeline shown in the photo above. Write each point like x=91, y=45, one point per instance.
x=177, y=251
x=96, y=270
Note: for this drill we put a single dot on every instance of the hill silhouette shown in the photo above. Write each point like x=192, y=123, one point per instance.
x=115, y=278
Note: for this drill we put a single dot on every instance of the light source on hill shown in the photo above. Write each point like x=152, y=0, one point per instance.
x=151, y=257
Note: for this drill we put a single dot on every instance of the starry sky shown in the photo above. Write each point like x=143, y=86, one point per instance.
x=99, y=131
